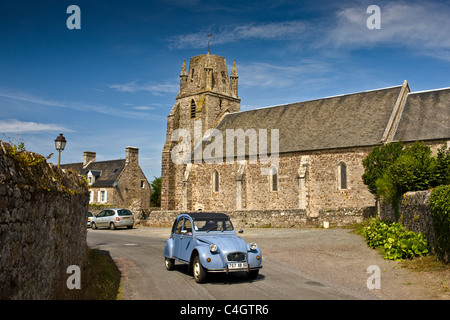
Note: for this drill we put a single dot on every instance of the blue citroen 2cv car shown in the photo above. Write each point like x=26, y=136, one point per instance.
x=207, y=242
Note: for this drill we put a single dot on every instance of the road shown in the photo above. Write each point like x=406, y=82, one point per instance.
x=138, y=254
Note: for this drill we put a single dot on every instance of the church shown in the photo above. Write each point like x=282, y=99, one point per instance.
x=286, y=165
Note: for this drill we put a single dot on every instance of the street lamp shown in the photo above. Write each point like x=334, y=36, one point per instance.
x=60, y=144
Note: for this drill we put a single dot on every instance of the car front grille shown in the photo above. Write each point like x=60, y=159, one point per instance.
x=236, y=256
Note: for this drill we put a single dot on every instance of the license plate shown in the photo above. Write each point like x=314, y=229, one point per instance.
x=237, y=265
x=126, y=218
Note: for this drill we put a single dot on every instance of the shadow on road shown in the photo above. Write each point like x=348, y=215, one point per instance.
x=219, y=278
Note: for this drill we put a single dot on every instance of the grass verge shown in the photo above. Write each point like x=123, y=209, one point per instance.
x=100, y=279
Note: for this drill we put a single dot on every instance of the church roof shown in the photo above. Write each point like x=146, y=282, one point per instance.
x=350, y=120
x=426, y=116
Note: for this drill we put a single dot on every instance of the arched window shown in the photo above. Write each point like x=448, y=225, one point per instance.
x=342, y=175
x=274, y=179
x=193, y=109
x=216, y=181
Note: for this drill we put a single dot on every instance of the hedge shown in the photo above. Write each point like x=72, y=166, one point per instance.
x=440, y=212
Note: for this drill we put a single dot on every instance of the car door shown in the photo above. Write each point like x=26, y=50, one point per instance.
x=177, y=237
x=186, y=241
x=100, y=218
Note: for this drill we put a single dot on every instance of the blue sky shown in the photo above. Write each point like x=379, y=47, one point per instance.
x=112, y=83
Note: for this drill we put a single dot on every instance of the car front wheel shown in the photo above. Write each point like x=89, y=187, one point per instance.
x=93, y=226
x=169, y=263
x=199, y=271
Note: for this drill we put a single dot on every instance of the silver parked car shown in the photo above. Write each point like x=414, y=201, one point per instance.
x=113, y=218
x=90, y=216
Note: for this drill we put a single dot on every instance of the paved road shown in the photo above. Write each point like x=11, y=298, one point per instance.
x=138, y=253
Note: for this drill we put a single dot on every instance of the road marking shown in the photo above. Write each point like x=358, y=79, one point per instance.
x=130, y=244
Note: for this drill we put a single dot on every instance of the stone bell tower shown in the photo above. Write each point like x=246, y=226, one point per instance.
x=206, y=94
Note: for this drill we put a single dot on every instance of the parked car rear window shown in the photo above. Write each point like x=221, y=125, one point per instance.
x=124, y=212
x=213, y=225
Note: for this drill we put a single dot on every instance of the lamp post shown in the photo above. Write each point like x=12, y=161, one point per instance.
x=60, y=144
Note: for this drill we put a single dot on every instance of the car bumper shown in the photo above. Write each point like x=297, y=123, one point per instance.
x=124, y=223
x=227, y=270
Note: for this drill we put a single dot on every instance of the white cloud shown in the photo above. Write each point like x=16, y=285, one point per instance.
x=259, y=74
x=79, y=106
x=422, y=27
x=157, y=89
x=265, y=31
x=143, y=108
x=16, y=126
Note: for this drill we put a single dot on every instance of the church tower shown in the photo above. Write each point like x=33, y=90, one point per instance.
x=206, y=94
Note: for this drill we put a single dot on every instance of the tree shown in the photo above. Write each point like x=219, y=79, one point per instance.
x=378, y=161
x=390, y=171
x=155, y=198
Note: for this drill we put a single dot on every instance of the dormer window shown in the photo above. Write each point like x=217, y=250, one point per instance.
x=92, y=176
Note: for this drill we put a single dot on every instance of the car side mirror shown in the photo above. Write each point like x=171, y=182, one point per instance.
x=240, y=231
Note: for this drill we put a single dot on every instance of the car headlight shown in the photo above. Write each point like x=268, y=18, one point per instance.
x=253, y=246
x=212, y=247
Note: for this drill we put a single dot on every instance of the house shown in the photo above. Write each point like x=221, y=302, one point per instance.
x=115, y=183
x=304, y=157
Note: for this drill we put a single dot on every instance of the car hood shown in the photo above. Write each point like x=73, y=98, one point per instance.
x=226, y=243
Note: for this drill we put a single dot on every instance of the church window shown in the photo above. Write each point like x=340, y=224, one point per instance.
x=216, y=180
x=274, y=179
x=192, y=75
x=342, y=176
x=193, y=109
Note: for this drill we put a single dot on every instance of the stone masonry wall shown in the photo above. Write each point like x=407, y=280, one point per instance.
x=305, y=181
x=275, y=218
x=415, y=213
x=42, y=225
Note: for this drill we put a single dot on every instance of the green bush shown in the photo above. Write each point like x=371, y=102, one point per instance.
x=396, y=242
x=390, y=171
x=440, y=212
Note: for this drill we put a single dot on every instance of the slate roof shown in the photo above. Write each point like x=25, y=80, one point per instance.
x=109, y=171
x=426, y=116
x=350, y=120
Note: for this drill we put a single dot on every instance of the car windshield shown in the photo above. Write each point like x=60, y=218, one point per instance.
x=213, y=225
x=124, y=212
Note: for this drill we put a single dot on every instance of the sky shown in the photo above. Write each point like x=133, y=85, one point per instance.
x=113, y=82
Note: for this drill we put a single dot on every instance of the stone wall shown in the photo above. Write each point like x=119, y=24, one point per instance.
x=42, y=225
x=306, y=180
x=415, y=213
x=275, y=218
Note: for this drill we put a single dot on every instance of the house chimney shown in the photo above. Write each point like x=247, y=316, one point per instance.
x=131, y=155
x=88, y=157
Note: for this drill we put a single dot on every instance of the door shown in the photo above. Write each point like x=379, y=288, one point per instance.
x=99, y=219
x=186, y=241
x=177, y=238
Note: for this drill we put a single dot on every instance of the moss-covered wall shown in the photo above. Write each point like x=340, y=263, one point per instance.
x=42, y=224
